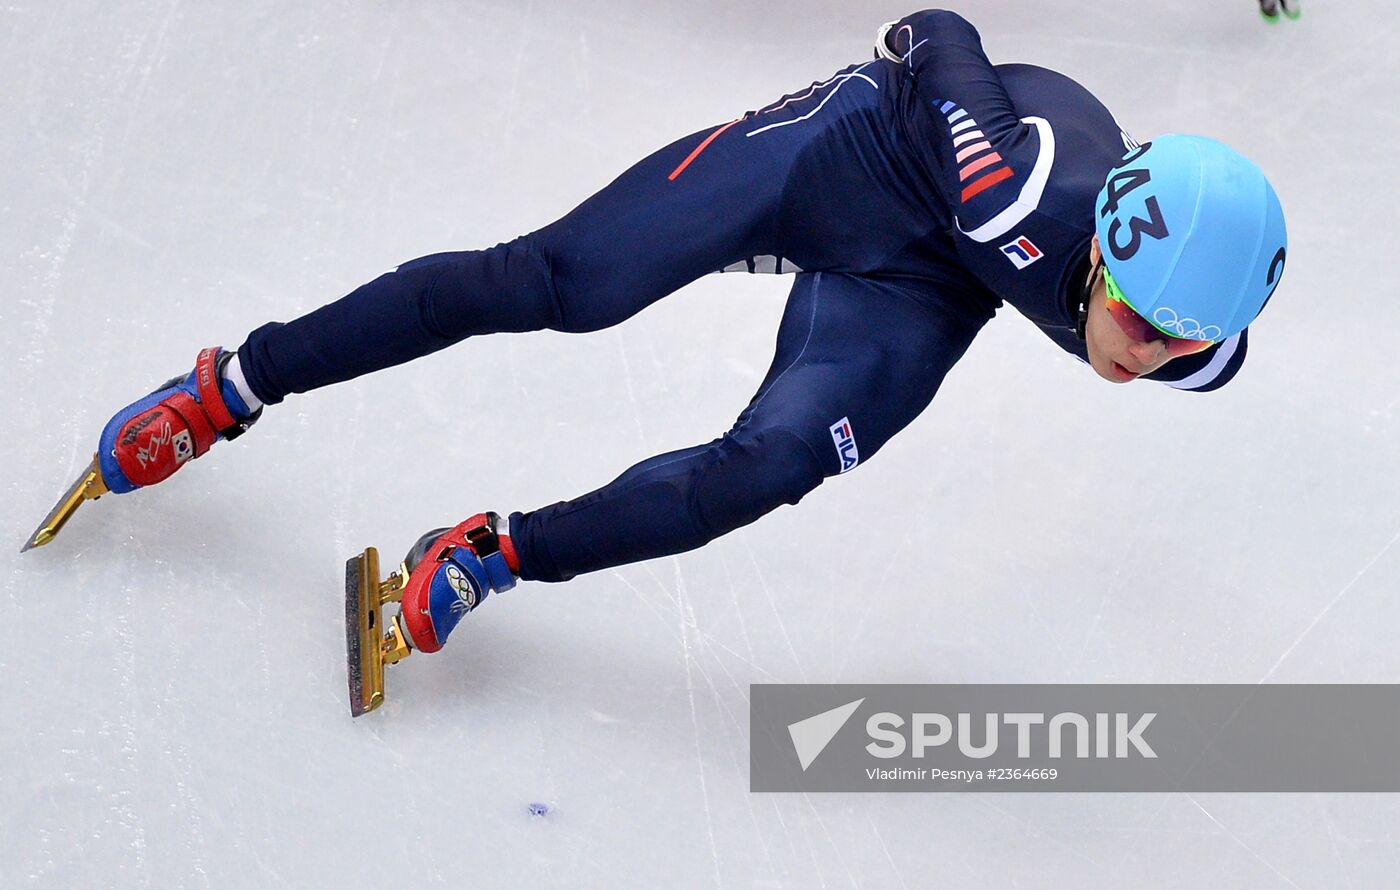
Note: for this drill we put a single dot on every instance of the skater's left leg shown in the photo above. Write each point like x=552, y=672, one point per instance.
x=856, y=360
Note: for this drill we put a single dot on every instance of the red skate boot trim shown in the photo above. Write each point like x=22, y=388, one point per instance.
x=508, y=551
x=414, y=608
x=476, y=534
x=474, y=529
x=153, y=445
x=211, y=396
x=462, y=535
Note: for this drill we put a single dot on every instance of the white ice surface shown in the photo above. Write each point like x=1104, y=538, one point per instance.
x=172, y=691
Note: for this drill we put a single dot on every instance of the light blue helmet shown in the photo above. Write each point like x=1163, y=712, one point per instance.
x=1193, y=235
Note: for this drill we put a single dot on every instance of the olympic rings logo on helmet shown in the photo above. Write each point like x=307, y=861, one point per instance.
x=1167, y=319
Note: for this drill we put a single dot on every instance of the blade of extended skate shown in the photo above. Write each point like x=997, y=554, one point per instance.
x=88, y=486
x=352, y=633
x=364, y=665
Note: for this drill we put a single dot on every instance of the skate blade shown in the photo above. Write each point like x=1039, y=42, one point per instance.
x=369, y=644
x=88, y=487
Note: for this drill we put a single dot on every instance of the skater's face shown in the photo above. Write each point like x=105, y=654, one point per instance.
x=1120, y=351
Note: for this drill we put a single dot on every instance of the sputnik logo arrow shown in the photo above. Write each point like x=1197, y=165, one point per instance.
x=811, y=736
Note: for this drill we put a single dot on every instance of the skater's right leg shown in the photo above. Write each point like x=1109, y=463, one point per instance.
x=699, y=205
x=639, y=239
x=420, y=307
x=703, y=203
x=621, y=250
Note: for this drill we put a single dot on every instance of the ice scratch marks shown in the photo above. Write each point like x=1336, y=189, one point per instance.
x=107, y=222
x=1028, y=827
x=868, y=603
x=833, y=843
x=1246, y=847
x=879, y=838
x=738, y=608
x=709, y=641
x=153, y=58
x=716, y=696
x=1332, y=840
x=631, y=388
x=1317, y=619
x=177, y=755
x=122, y=801
x=686, y=614
x=773, y=607
x=690, y=626
x=522, y=56
x=100, y=111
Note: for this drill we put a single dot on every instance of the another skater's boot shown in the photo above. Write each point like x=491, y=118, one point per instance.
x=452, y=571
x=148, y=440
x=1270, y=9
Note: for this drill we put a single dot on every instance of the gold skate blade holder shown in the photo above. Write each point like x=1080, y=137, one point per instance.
x=88, y=487
x=370, y=644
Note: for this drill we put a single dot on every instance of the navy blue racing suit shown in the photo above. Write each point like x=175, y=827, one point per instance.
x=909, y=195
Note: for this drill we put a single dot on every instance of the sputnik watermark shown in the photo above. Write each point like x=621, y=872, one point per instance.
x=1074, y=738
x=933, y=730
x=1111, y=735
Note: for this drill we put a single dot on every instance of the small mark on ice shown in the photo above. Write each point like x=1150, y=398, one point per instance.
x=539, y=809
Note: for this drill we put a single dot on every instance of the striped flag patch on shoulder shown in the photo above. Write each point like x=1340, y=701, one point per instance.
x=979, y=165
